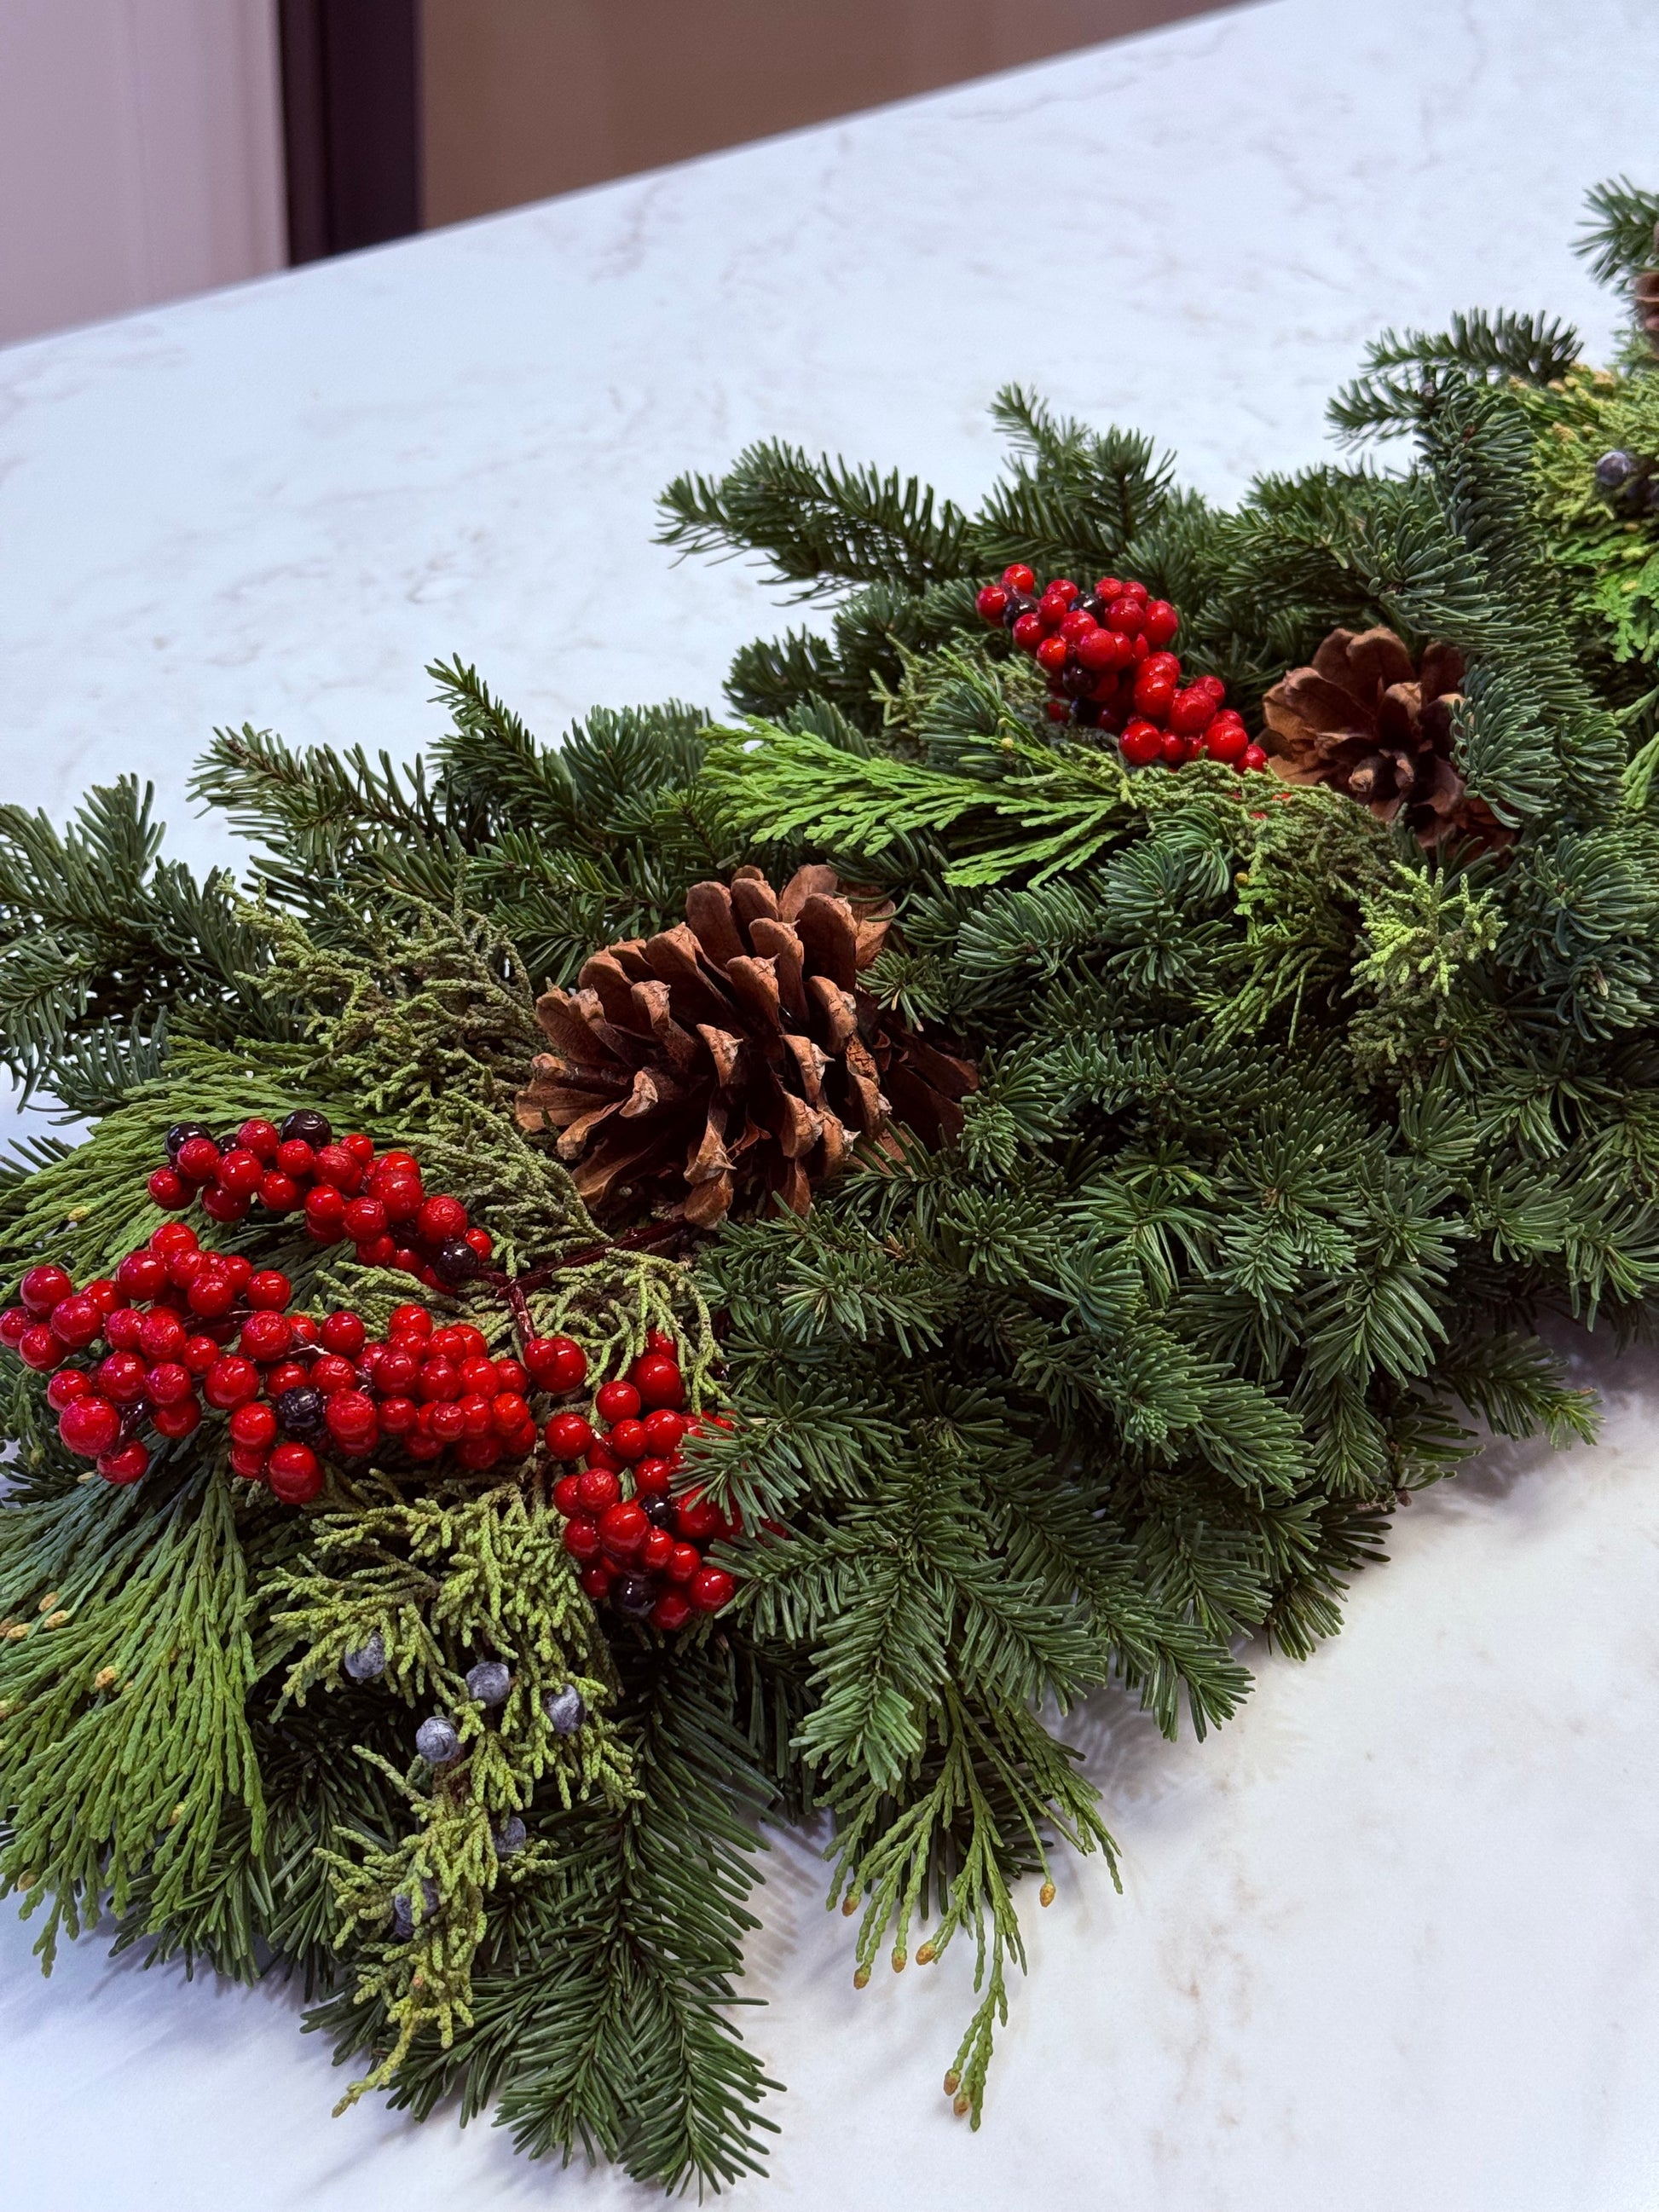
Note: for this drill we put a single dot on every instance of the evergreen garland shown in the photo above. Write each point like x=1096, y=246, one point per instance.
x=1286, y=1133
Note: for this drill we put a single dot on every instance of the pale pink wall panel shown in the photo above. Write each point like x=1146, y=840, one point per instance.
x=140, y=154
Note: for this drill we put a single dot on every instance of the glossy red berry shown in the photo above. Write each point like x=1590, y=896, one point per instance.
x=398, y=1415
x=240, y=1171
x=481, y=1242
x=124, y=1328
x=398, y=1369
x=1226, y=741
x=1017, y=577
x=1126, y=616
x=126, y=1462
x=440, y=1218
x=178, y=1420
x=332, y=1372
x=479, y=1452
x=408, y=1321
x=652, y=1477
x=698, y=1518
x=269, y=1290
x=991, y=603
x=266, y=1337
x=161, y=1334
x=1153, y=694
x=325, y=1213
x=556, y=1363
x=664, y=1428
x=439, y=1380
x=1028, y=632
x=659, y=1383
x=103, y=1293
x=508, y=1412
x=76, y=1321
x=173, y=1236
x=568, y=1435
x=401, y=1195
x=1253, y=756
x=121, y=1377
x=581, y=1537
x=262, y=1138
x=1101, y=651
x=344, y=1331
x=350, y=1416
x=14, y=1323
x=198, y=1160
x=445, y=1419
x=671, y=1611
x=567, y=1494
x=1053, y=654
x=1191, y=711
x=365, y=1218
x=212, y=1293
x=1141, y=744
x=656, y=1550
x=336, y=1168
x=617, y=1400
x=44, y=1287
x=475, y=1414
x=711, y=1588
x=596, y=1487
x=295, y=1473
x=168, y=1190
x=253, y=1423
x=622, y=1528
x=378, y=1251
x=684, y=1561
x=199, y=1354
x=295, y=1157
x=230, y=1380
x=249, y=1461
x=1176, y=752
x=141, y=1274
x=67, y=1384
x=628, y=1441
x=220, y=1205
x=596, y=1579
x=89, y=1425
x=1161, y=622
x=360, y=1146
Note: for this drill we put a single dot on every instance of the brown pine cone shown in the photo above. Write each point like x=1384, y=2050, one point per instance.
x=1365, y=720
x=734, y=1055
x=1646, y=292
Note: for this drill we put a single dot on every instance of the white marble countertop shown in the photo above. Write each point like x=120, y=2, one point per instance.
x=1386, y=1942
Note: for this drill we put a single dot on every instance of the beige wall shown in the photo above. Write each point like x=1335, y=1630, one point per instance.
x=524, y=98
x=140, y=154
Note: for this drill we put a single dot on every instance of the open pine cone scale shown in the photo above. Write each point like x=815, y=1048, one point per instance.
x=1367, y=719
x=734, y=1055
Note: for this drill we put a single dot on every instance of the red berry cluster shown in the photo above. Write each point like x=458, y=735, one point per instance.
x=639, y=1546
x=182, y=1330
x=344, y=1190
x=1105, y=655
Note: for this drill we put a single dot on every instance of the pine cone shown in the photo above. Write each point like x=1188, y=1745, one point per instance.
x=734, y=1055
x=1646, y=295
x=1364, y=719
